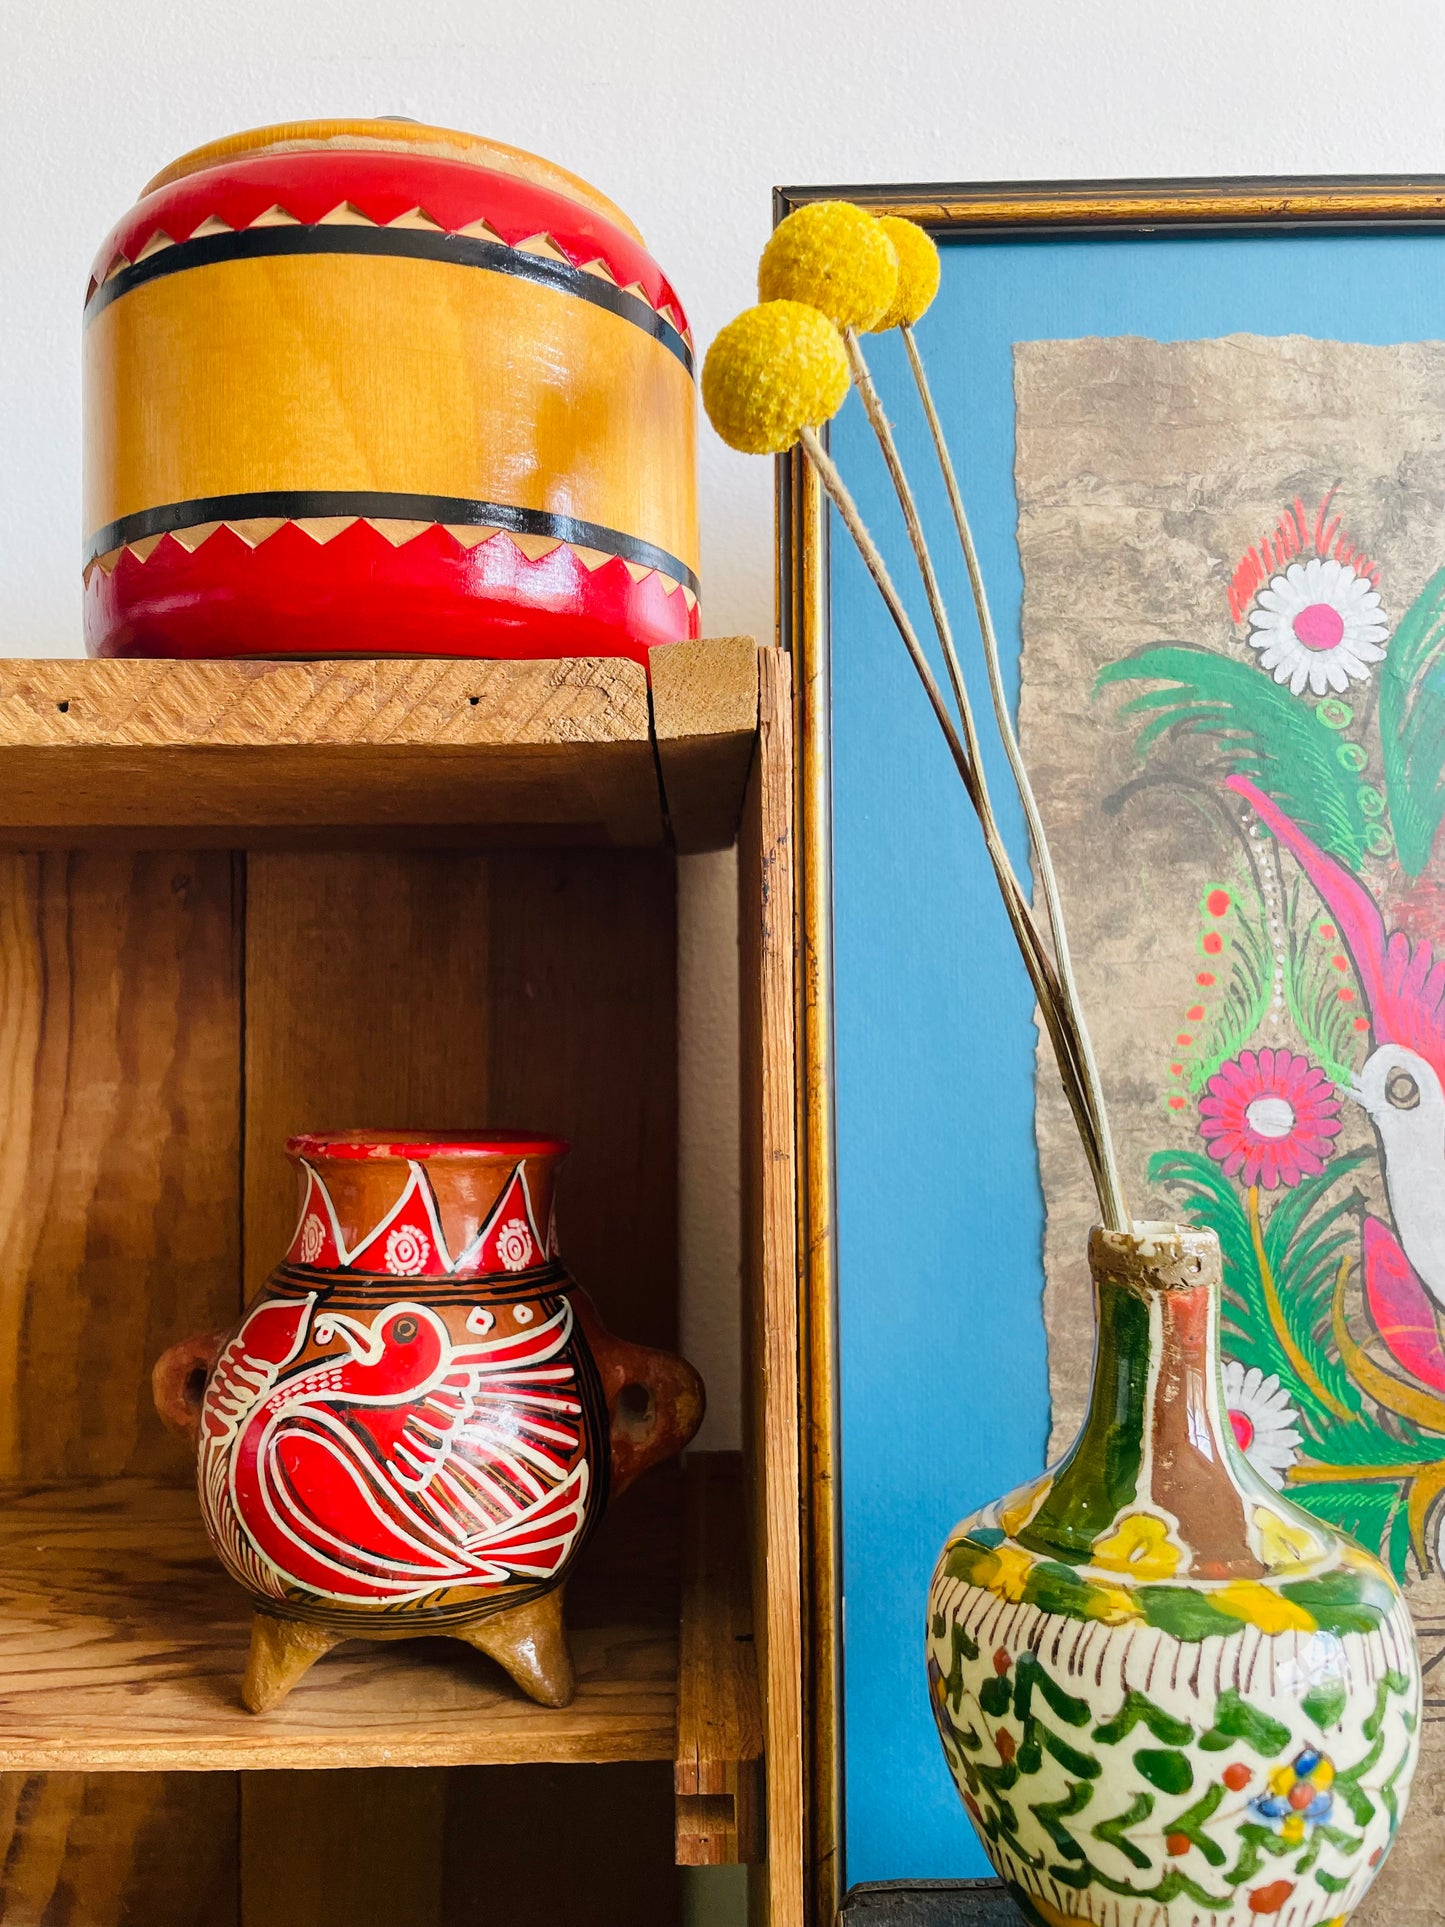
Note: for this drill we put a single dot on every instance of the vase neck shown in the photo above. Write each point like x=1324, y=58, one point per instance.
x=1153, y=1484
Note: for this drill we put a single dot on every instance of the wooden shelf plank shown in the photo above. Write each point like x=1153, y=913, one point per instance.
x=122, y=1645
x=437, y=751
x=717, y=1773
x=705, y=716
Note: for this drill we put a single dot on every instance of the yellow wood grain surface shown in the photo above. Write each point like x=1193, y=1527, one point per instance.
x=324, y=371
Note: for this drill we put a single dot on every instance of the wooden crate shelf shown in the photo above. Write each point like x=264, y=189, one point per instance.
x=428, y=753
x=122, y=1645
x=239, y=900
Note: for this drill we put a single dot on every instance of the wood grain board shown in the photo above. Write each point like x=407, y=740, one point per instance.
x=445, y=990
x=717, y=1774
x=245, y=752
x=770, y=1281
x=705, y=719
x=119, y=1114
x=406, y=752
x=122, y=1645
x=339, y=929
x=120, y=1038
x=134, y=1849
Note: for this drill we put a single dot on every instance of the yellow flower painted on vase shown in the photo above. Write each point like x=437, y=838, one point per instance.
x=1261, y=1606
x=1012, y=1575
x=1052, y=1916
x=1138, y=1545
x=1021, y=1506
x=1355, y=1555
x=1112, y=1605
x=1285, y=1546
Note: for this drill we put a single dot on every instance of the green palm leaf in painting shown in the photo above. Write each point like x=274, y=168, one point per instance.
x=1258, y=728
x=1412, y=726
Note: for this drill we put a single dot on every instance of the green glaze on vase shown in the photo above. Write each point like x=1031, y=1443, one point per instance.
x=1168, y=1696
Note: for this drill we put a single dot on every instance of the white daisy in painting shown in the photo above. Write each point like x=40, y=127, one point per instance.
x=1264, y=1422
x=1321, y=623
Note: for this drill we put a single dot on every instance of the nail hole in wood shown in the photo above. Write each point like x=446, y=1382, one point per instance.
x=64, y=708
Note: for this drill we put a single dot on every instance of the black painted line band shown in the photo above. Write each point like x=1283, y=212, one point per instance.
x=295, y=505
x=463, y=250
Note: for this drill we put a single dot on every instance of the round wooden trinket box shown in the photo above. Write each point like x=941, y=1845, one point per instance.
x=369, y=388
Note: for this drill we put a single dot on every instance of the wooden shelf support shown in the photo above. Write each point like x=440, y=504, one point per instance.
x=705, y=722
x=718, y=1770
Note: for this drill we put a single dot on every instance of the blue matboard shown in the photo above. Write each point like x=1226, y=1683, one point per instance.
x=943, y=1379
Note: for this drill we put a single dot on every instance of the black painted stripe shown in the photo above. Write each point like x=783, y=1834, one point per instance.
x=254, y=243
x=294, y=505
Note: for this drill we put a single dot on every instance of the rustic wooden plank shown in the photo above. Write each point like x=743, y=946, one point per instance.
x=770, y=1280
x=705, y=718
x=582, y=991
x=717, y=1771
x=118, y=1849
x=120, y=1229
x=120, y=1114
x=561, y=1846
x=443, y=990
x=243, y=751
x=358, y=1849
x=122, y=1645
x=366, y=1004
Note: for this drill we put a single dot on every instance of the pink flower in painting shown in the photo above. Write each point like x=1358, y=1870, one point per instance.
x=1269, y=1117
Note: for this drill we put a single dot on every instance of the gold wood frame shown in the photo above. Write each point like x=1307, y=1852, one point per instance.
x=986, y=211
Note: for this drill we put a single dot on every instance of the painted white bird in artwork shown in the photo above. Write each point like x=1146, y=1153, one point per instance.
x=1402, y=1082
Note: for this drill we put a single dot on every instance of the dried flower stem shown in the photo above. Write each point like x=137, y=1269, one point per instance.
x=1048, y=881
x=1037, y=961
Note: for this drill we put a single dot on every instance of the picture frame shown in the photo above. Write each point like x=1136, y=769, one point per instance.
x=985, y=225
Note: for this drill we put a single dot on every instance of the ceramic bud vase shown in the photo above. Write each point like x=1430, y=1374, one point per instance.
x=416, y=1426
x=1169, y=1696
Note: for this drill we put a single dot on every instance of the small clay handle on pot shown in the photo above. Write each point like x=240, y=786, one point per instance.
x=178, y=1381
x=655, y=1399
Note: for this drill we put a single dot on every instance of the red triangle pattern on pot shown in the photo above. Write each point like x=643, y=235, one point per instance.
x=409, y=1241
x=317, y=1240
x=509, y=1240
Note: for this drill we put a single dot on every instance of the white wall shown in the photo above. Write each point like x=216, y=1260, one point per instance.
x=686, y=113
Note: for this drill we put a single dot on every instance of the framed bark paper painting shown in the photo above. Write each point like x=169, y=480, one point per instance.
x=1200, y=429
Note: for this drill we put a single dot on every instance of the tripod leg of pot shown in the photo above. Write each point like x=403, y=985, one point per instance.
x=282, y=1650
x=531, y=1643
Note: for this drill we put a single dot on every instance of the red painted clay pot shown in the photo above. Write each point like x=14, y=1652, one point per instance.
x=417, y=1425
x=371, y=388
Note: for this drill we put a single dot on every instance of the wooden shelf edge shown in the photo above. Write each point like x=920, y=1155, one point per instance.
x=718, y=1768
x=351, y=751
x=122, y=1644
x=705, y=723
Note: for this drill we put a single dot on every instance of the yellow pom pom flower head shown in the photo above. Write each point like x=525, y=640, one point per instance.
x=777, y=369
x=835, y=257
x=918, y=273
